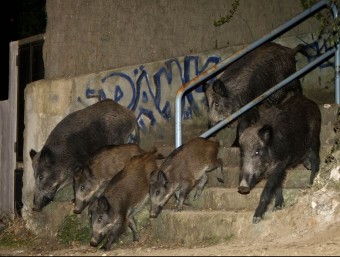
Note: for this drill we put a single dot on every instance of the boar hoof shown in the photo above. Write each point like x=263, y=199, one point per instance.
x=105, y=248
x=36, y=209
x=278, y=207
x=256, y=220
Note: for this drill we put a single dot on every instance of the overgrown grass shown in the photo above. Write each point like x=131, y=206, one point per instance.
x=13, y=232
x=74, y=229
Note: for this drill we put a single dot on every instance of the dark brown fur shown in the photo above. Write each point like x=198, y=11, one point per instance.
x=249, y=77
x=282, y=138
x=73, y=141
x=91, y=179
x=123, y=197
x=183, y=169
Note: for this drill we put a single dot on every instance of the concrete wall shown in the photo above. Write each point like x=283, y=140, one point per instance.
x=85, y=36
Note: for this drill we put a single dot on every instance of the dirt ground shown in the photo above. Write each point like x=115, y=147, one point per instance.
x=311, y=227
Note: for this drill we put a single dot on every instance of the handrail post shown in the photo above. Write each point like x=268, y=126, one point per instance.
x=336, y=61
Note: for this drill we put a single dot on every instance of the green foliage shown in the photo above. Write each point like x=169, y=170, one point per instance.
x=73, y=229
x=329, y=25
x=13, y=233
x=228, y=17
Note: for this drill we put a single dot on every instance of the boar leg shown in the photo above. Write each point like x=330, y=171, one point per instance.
x=118, y=229
x=219, y=166
x=274, y=181
x=133, y=227
x=201, y=185
x=315, y=161
x=183, y=193
x=279, y=201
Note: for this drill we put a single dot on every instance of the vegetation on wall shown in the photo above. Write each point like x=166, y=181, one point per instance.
x=328, y=25
x=227, y=18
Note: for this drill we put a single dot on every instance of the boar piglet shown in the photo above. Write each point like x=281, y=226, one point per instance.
x=249, y=77
x=73, y=141
x=185, y=168
x=90, y=180
x=123, y=197
x=283, y=137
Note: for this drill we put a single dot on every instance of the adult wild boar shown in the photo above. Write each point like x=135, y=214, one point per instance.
x=283, y=137
x=124, y=196
x=249, y=77
x=73, y=141
x=90, y=180
x=185, y=168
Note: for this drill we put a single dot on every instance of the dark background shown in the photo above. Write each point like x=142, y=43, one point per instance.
x=20, y=19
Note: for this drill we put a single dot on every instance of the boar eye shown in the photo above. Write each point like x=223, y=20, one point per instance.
x=82, y=187
x=40, y=177
x=256, y=152
x=157, y=192
x=100, y=219
x=216, y=104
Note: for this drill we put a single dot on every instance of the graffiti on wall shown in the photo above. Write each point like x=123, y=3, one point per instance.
x=318, y=46
x=152, y=97
x=150, y=92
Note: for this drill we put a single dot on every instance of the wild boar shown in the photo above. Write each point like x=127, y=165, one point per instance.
x=285, y=136
x=90, y=180
x=124, y=196
x=72, y=142
x=185, y=168
x=249, y=77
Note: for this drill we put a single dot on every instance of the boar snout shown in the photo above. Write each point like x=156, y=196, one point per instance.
x=243, y=190
x=94, y=243
x=155, y=210
x=76, y=211
x=42, y=202
x=79, y=207
x=243, y=187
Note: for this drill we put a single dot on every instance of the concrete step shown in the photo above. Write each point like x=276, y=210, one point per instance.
x=227, y=199
x=193, y=227
x=217, y=215
x=297, y=177
x=206, y=227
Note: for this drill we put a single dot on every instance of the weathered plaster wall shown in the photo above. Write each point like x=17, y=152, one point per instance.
x=85, y=36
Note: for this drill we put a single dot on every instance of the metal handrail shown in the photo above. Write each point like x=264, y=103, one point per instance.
x=216, y=69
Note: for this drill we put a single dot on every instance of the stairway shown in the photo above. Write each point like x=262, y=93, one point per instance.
x=221, y=212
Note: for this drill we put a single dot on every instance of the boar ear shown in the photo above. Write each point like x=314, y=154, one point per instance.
x=32, y=153
x=219, y=88
x=242, y=126
x=91, y=205
x=266, y=133
x=205, y=86
x=78, y=169
x=47, y=155
x=153, y=176
x=162, y=177
x=103, y=204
